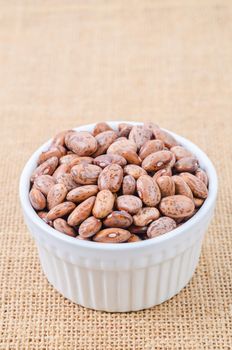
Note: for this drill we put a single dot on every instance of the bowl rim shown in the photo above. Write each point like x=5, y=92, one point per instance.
x=180, y=230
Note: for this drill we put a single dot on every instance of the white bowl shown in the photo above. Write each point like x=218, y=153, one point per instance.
x=120, y=277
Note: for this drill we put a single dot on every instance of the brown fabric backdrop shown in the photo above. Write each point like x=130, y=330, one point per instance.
x=65, y=63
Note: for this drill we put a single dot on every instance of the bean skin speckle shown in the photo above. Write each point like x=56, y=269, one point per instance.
x=117, y=185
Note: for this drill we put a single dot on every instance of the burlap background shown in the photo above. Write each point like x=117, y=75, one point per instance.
x=65, y=63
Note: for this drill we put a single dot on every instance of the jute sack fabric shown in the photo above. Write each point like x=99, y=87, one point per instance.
x=67, y=63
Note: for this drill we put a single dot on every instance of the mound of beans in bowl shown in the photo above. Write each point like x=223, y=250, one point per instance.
x=116, y=186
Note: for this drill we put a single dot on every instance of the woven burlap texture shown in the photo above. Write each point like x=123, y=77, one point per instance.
x=65, y=63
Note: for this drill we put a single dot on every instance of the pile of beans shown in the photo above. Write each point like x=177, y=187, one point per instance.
x=115, y=186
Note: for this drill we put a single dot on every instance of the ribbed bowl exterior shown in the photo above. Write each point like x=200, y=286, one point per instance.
x=121, y=277
x=120, y=282
x=121, y=290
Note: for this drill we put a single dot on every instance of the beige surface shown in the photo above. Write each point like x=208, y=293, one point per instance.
x=64, y=63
